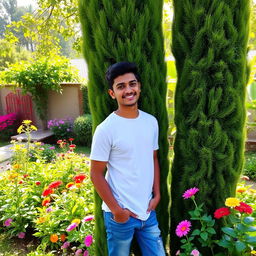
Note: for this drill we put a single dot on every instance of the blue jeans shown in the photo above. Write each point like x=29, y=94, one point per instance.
x=120, y=235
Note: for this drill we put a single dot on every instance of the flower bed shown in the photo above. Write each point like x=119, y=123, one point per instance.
x=50, y=200
x=8, y=125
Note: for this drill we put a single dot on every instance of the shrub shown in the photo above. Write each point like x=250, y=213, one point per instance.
x=8, y=126
x=83, y=130
x=44, y=151
x=86, y=108
x=62, y=129
x=250, y=165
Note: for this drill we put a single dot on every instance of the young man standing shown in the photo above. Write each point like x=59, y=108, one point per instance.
x=126, y=142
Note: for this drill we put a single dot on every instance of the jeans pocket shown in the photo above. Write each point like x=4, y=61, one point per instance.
x=120, y=223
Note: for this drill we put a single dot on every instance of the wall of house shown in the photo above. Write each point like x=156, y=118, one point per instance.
x=68, y=104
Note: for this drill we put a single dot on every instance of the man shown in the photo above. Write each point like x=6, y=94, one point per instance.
x=126, y=142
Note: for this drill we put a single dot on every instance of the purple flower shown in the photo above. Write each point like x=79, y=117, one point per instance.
x=88, y=240
x=71, y=226
x=21, y=235
x=86, y=253
x=49, y=209
x=79, y=252
x=65, y=245
x=52, y=147
x=8, y=222
x=88, y=218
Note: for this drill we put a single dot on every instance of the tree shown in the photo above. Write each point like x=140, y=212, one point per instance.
x=127, y=31
x=210, y=46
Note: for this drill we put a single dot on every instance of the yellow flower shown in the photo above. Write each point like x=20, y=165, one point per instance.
x=20, y=129
x=33, y=127
x=16, y=166
x=40, y=220
x=232, y=202
x=77, y=221
x=78, y=185
x=27, y=121
x=241, y=190
x=13, y=176
x=37, y=143
x=252, y=190
x=253, y=252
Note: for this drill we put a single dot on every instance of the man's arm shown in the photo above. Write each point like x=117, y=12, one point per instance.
x=156, y=185
x=104, y=191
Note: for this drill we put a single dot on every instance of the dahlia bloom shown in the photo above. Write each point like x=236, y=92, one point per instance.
x=190, y=192
x=47, y=192
x=244, y=208
x=21, y=235
x=55, y=184
x=79, y=178
x=65, y=245
x=88, y=240
x=78, y=252
x=88, y=218
x=232, y=202
x=195, y=252
x=183, y=228
x=71, y=227
x=221, y=212
x=8, y=222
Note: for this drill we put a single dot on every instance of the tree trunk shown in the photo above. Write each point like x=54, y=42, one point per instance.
x=210, y=46
x=113, y=31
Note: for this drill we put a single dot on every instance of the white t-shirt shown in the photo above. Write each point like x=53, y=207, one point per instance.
x=127, y=144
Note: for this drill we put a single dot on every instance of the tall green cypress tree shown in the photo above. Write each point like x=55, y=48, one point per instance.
x=210, y=47
x=127, y=30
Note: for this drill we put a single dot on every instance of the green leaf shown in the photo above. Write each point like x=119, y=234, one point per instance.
x=251, y=240
x=248, y=220
x=251, y=229
x=196, y=232
x=211, y=231
x=229, y=231
x=240, y=246
x=204, y=235
x=224, y=243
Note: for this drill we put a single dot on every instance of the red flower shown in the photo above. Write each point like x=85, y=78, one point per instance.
x=55, y=184
x=25, y=175
x=79, y=178
x=243, y=207
x=221, y=212
x=38, y=183
x=72, y=146
x=21, y=181
x=59, y=141
x=71, y=139
x=47, y=192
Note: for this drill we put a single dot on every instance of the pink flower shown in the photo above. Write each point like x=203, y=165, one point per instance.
x=71, y=226
x=79, y=252
x=8, y=222
x=178, y=252
x=88, y=218
x=65, y=245
x=21, y=235
x=195, y=252
x=49, y=209
x=190, y=192
x=88, y=240
x=183, y=228
x=86, y=253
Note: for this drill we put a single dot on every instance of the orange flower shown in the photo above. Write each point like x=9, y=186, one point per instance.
x=16, y=166
x=46, y=201
x=63, y=237
x=54, y=238
x=70, y=184
x=241, y=190
x=78, y=185
x=40, y=220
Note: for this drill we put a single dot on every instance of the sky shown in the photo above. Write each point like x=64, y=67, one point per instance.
x=26, y=2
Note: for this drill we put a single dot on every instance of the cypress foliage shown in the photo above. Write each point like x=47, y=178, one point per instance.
x=127, y=30
x=210, y=47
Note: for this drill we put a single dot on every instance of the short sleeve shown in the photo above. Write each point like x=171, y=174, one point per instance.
x=156, y=133
x=101, y=145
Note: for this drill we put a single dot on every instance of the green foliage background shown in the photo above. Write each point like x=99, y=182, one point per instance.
x=210, y=47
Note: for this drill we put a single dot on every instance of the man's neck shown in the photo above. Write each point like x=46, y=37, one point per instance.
x=128, y=112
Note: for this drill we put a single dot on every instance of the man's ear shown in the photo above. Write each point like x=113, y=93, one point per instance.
x=111, y=93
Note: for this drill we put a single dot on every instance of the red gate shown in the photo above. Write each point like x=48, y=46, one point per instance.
x=20, y=104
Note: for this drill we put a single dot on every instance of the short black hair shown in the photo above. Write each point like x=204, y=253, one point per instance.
x=121, y=68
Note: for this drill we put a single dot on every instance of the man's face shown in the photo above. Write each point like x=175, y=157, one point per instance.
x=126, y=90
